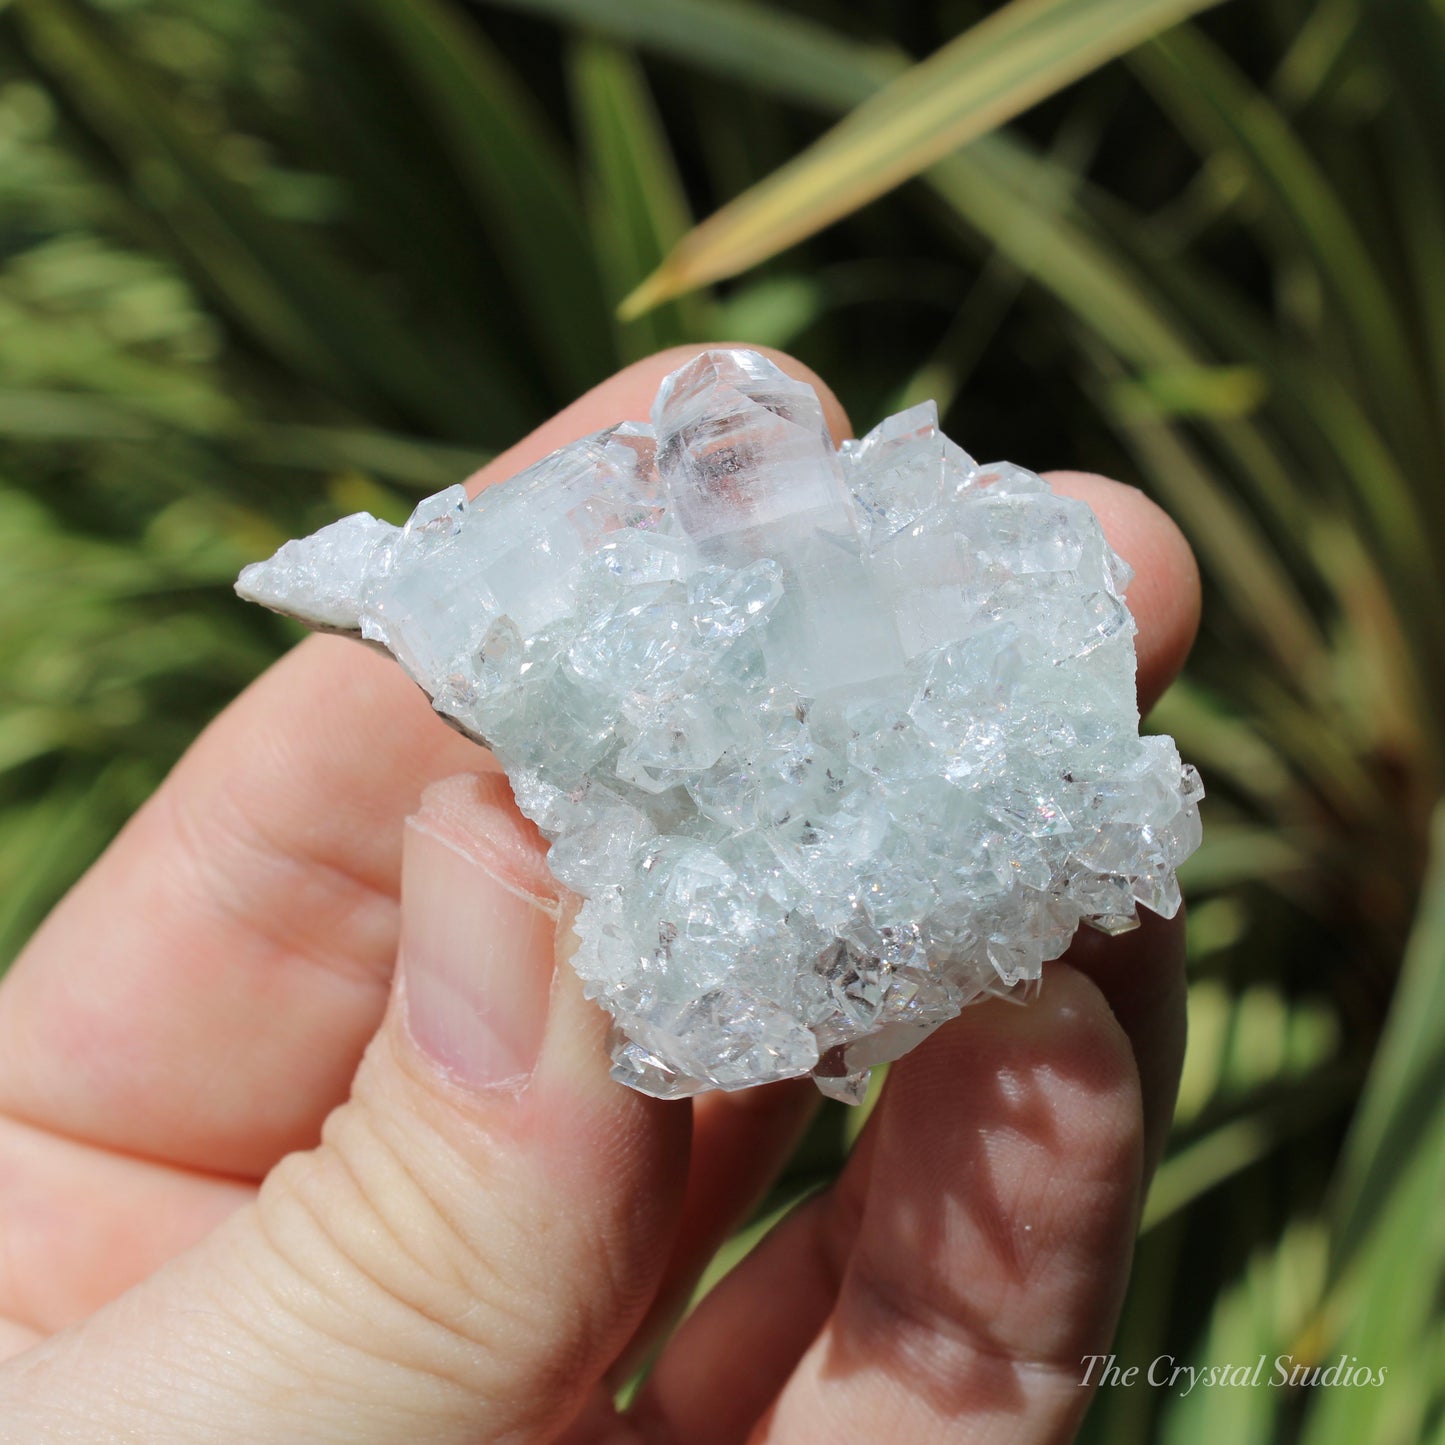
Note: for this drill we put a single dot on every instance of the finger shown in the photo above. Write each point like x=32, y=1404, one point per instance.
x=734, y=1353
x=1142, y=977
x=83, y=1224
x=470, y=1245
x=994, y=1243
x=16, y=1338
x=740, y=1143
x=204, y=995
x=964, y=1265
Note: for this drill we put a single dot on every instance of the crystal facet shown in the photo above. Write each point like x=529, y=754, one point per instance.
x=830, y=742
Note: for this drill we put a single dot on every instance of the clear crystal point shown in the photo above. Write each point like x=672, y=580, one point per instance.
x=831, y=742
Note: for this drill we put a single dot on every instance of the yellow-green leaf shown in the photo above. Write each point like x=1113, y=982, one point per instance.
x=1008, y=62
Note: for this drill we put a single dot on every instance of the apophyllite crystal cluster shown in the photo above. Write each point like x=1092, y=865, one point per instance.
x=832, y=742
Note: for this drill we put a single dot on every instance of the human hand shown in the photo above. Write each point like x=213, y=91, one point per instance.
x=261, y=1181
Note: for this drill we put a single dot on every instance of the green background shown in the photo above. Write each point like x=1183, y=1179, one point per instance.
x=263, y=262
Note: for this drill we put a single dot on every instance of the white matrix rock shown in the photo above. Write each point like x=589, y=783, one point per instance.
x=831, y=742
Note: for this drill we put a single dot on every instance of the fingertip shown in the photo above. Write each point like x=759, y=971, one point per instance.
x=475, y=813
x=1165, y=594
x=996, y=1229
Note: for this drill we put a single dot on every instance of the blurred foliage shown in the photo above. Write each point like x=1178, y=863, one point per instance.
x=262, y=262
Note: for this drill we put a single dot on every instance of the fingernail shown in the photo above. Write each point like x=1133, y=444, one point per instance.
x=478, y=933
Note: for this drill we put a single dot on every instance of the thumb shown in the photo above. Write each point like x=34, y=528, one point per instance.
x=471, y=1244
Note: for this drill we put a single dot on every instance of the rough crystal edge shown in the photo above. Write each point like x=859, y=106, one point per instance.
x=360, y=539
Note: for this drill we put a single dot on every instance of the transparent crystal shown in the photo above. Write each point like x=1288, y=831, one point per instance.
x=831, y=743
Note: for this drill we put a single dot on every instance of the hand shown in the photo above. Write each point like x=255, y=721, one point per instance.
x=258, y=1184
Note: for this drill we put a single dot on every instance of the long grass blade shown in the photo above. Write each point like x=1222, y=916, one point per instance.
x=1406, y=1089
x=1350, y=476
x=636, y=203
x=1415, y=173
x=1388, y=1228
x=1006, y=63
x=779, y=53
x=523, y=196
x=1261, y=590
x=1194, y=82
x=1229, y=1148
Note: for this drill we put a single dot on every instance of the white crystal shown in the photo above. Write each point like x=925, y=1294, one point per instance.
x=831, y=743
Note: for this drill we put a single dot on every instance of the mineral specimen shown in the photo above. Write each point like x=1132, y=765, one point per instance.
x=831, y=742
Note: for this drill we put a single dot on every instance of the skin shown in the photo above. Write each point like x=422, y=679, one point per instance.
x=240, y=1199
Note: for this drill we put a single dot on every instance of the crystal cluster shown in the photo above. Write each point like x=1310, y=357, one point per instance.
x=831, y=742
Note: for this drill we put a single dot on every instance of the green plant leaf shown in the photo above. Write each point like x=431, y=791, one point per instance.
x=1263, y=594
x=636, y=203
x=782, y=54
x=1193, y=81
x=523, y=196
x=1006, y=63
x=1388, y=1237
x=1240, y=853
x=1222, y=392
x=1226, y=1149
x=303, y=305
x=1413, y=43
